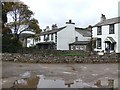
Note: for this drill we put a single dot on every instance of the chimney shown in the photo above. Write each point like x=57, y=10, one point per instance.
x=103, y=18
x=89, y=28
x=47, y=28
x=70, y=22
x=76, y=39
x=54, y=26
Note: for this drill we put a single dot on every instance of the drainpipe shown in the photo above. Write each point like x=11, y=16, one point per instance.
x=90, y=29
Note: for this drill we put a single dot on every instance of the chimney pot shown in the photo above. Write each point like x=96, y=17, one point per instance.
x=103, y=18
x=70, y=22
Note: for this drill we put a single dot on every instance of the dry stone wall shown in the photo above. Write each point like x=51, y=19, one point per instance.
x=36, y=58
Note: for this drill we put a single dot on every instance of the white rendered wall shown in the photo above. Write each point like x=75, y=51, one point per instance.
x=118, y=45
x=41, y=38
x=105, y=34
x=65, y=36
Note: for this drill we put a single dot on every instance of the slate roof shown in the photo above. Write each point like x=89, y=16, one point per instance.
x=80, y=43
x=108, y=22
x=83, y=32
x=52, y=31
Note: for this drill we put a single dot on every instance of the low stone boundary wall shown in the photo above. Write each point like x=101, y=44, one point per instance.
x=36, y=58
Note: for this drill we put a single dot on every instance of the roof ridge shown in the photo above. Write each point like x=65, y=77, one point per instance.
x=112, y=18
x=52, y=31
x=108, y=21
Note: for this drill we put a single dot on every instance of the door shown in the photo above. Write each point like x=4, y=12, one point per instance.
x=109, y=46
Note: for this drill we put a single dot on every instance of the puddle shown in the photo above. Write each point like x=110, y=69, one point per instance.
x=94, y=74
x=67, y=72
x=27, y=74
x=40, y=81
x=50, y=83
x=31, y=82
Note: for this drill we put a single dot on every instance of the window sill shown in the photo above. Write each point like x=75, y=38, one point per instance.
x=99, y=34
x=111, y=33
x=99, y=48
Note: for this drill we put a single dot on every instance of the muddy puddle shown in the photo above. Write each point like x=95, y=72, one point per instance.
x=40, y=81
x=27, y=80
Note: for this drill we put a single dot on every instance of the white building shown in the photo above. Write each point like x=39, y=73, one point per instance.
x=107, y=34
x=64, y=38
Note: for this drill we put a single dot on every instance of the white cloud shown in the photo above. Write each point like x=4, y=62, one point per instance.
x=82, y=12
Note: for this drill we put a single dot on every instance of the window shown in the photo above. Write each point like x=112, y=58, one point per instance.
x=44, y=37
x=99, y=44
x=77, y=47
x=48, y=37
x=111, y=29
x=52, y=36
x=76, y=38
x=56, y=37
x=99, y=30
x=73, y=47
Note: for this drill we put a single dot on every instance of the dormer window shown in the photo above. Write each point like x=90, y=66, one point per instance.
x=111, y=29
x=99, y=30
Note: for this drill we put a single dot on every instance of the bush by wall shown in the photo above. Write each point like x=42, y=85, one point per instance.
x=10, y=44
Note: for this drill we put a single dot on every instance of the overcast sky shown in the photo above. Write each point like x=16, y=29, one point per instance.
x=82, y=12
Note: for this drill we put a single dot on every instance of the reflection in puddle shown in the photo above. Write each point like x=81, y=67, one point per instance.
x=47, y=83
x=27, y=74
x=67, y=72
x=31, y=82
x=41, y=82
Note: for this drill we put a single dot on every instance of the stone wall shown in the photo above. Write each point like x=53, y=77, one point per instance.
x=36, y=58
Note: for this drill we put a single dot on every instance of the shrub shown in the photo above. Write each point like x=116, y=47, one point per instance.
x=10, y=44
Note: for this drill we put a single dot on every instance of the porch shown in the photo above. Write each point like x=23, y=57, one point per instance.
x=110, y=44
